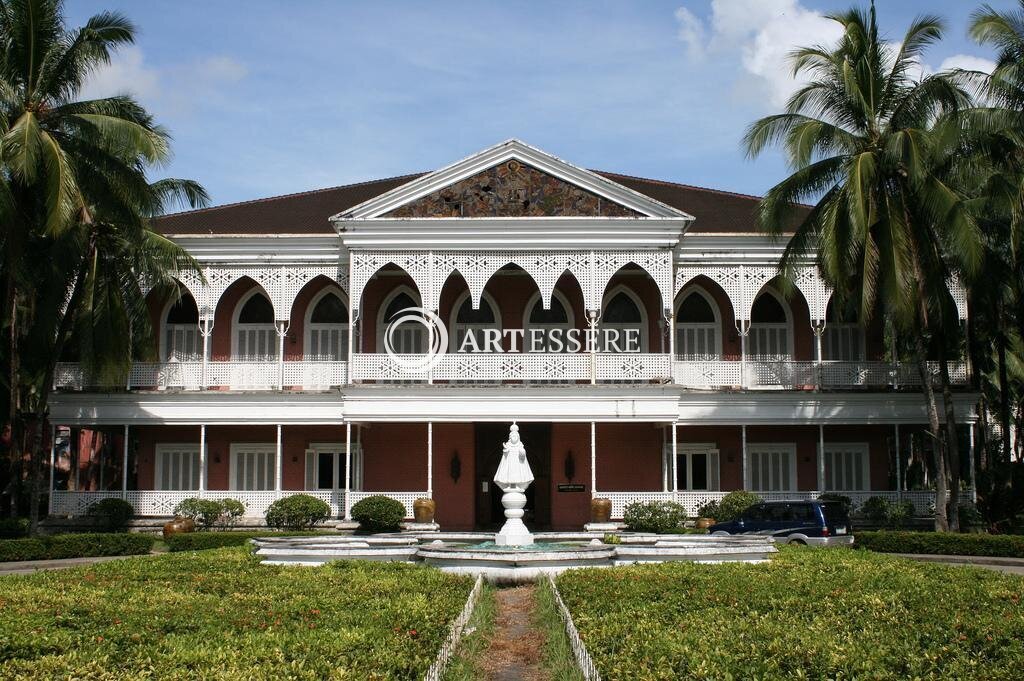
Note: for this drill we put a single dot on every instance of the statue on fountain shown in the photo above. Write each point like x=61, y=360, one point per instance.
x=513, y=477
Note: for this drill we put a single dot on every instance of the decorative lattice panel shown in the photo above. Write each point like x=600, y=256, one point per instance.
x=814, y=289
x=959, y=294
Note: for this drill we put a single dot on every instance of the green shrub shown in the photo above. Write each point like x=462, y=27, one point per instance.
x=112, y=514
x=900, y=514
x=200, y=541
x=611, y=539
x=877, y=510
x=709, y=510
x=233, y=510
x=734, y=504
x=846, y=501
x=821, y=614
x=969, y=516
x=298, y=512
x=75, y=546
x=206, y=513
x=654, y=516
x=378, y=513
x=13, y=528
x=943, y=543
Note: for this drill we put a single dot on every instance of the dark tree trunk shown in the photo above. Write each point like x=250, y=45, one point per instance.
x=938, y=451
x=952, y=442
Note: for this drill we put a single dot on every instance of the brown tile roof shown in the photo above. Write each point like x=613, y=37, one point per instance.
x=307, y=212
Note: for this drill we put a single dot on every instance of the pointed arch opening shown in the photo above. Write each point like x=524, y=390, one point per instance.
x=698, y=322
x=480, y=323
x=180, y=338
x=326, y=326
x=771, y=326
x=843, y=338
x=254, y=336
x=624, y=322
x=541, y=327
x=409, y=337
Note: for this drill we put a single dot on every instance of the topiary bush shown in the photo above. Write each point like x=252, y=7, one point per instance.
x=654, y=516
x=379, y=513
x=298, y=512
x=112, y=515
x=734, y=504
x=206, y=513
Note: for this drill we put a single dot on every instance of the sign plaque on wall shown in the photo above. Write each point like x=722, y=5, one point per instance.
x=571, y=487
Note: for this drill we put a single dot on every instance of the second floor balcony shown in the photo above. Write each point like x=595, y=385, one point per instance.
x=516, y=368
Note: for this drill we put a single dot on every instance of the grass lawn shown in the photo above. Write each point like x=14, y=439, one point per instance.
x=221, y=615
x=809, y=613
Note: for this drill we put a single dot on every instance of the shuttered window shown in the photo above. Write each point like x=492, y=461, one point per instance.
x=177, y=467
x=325, y=467
x=846, y=466
x=772, y=467
x=253, y=466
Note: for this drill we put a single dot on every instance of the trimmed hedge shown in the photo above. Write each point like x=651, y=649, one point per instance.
x=654, y=516
x=378, y=513
x=807, y=613
x=943, y=543
x=75, y=546
x=201, y=541
x=298, y=512
x=225, y=615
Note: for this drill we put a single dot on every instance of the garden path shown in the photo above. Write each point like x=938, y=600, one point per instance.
x=516, y=647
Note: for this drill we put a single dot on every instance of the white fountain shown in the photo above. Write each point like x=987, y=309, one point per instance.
x=513, y=477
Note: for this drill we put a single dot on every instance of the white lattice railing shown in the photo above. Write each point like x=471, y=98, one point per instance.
x=782, y=374
x=693, y=500
x=707, y=373
x=161, y=503
x=237, y=374
x=643, y=366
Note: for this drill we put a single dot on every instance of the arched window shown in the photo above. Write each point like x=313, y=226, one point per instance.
x=843, y=338
x=698, y=326
x=327, y=327
x=771, y=328
x=181, y=339
x=255, y=336
x=466, y=321
x=408, y=338
x=559, y=316
x=624, y=313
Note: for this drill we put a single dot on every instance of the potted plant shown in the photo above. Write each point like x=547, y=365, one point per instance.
x=423, y=510
x=179, y=525
x=600, y=510
x=706, y=515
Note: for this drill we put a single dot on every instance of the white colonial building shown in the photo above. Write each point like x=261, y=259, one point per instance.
x=272, y=375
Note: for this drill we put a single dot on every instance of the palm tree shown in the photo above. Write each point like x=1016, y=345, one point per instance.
x=74, y=192
x=886, y=231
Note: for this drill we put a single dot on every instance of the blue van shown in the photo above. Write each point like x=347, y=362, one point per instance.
x=813, y=523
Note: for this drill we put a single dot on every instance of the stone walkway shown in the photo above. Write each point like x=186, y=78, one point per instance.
x=515, y=649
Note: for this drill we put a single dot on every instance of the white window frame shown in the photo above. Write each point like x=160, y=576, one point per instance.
x=621, y=326
x=685, y=452
x=833, y=336
x=185, y=330
x=849, y=468
x=382, y=322
x=534, y=300
x=457, y=330
x=311, y=328
x=265, y=328
x=337, y=450
x=182, y=450
x=754, y=453
x=699, y=327
x=771, y=327
x=268, y=450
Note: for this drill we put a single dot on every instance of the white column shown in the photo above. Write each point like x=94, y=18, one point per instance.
x=53, y=465
x=279, y=463
x=430, y=459
x=743, y=355
x=124, y=465
x=970, y=461
x=202, y=459
x=746, y=462
x=675, y=461
x=664, y=460
x=281, y=333
x=672, y=333
x=899, y=465
x=352, y=319
x=821, y=456
x=818, y=330
x=348, y=470
x=593, y=459
x=206, y=330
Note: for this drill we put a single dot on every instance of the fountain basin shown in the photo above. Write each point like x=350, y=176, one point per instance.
x=474, y=553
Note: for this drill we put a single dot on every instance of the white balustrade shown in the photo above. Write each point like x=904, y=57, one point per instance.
x=630, y=366
x=780, y=374
x=706, y=373
x=315, y=375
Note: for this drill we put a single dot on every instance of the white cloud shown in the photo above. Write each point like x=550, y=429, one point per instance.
x=967, y=62
x=691, y=33
x=175, y=88
x=126, y=74
x=765, y=32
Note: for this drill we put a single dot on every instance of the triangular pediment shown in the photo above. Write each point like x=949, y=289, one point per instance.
x=511, y=179
x=511, y=189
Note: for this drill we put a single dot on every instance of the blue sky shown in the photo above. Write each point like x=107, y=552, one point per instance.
x=266, y=98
